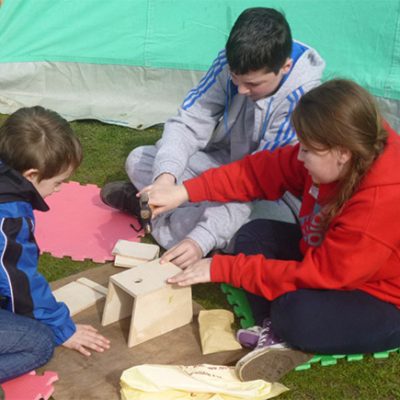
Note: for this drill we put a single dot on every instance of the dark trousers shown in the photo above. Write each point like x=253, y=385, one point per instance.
x=317, y=321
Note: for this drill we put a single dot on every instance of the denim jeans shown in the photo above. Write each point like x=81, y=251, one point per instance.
x=25, y=344
x=312, y=320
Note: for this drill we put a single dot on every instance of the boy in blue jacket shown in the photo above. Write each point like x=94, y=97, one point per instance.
x=38, y=151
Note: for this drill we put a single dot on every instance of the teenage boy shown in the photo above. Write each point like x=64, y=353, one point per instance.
x=242, y=105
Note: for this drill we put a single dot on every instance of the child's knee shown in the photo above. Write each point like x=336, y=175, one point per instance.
x=292, y=319
x=247, y=239
x=140, y=162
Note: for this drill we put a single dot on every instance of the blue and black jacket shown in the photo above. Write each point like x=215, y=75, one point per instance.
x=22, y=289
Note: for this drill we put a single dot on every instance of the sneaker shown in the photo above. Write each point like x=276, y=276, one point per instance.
x=249, y=337
x=269, y=364
x=121, y=196
x=268, y=338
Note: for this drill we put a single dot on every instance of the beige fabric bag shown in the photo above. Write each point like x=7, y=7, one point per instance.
x=216, y=333
x=200, y=382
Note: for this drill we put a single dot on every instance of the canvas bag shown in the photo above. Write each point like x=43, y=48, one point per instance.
x=200, y=382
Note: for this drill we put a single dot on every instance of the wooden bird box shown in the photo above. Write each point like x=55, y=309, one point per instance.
x=155, y=306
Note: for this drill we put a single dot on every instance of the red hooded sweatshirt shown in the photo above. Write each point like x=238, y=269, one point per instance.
x=359, y=250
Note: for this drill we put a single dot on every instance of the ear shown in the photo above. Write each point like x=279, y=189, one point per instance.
x=31, y=174
x=286, y=67
x=344, y=155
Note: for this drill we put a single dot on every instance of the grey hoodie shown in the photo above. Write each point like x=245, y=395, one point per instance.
x=214, y=119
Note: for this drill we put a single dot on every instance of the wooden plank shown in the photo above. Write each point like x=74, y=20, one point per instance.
x=128, y=262
x=77, y=297
x=94, y=285
x=136, y=250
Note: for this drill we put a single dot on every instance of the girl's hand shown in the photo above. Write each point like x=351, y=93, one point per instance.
x=164, y=197
x=199, y=272
x=87, y=337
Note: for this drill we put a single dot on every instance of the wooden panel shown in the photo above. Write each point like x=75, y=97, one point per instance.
x=128, y=262
x=137, y=250
x=159, y=312
x=145, y=278
x=77, y=297
x=118, y=305
x=94, y=285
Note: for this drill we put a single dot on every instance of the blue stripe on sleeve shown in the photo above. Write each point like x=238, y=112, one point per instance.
x=4, y=241
x=208, y=80
x=286, y=132
x=204, y=79
x=276, y=142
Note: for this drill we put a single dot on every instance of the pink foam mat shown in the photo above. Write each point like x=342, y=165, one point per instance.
x=30, y=386
x=80, y=226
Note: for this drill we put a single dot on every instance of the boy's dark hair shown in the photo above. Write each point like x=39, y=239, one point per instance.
x=34, y=137
x=260, y=39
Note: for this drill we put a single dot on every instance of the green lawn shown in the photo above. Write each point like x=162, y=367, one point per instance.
x=105, y=150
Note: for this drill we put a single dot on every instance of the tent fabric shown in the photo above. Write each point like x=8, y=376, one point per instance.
x=103, y=55
x=117, y=94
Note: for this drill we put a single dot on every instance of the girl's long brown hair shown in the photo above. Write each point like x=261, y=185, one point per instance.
x=341, y=114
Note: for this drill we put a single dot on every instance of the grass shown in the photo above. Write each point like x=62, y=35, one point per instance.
x=105, y=151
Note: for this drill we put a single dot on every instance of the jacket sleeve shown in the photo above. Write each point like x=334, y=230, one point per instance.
x=50, y=312
x=192, y=128
x=27, y=291
x=346, y=260
x=263, y=175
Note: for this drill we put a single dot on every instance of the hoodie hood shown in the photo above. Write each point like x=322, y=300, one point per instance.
x=385, y=171
x=306, y=70
x=14, y=187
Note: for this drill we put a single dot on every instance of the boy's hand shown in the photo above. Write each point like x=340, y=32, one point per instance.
x=165, y=179
x=164, y=197
x=199, y=272
x=183, y=254
x=87, y=336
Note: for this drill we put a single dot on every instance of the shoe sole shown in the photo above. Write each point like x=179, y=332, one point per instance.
x=269, y=364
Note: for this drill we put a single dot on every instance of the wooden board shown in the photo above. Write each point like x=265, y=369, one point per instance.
x=155, y=306
x=145, y=278
x=80, y=295
x=129, y=253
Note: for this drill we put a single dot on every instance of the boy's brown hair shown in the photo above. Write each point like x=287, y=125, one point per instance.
x=34, y=137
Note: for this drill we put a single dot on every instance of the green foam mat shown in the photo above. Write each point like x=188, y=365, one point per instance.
x=241, y=307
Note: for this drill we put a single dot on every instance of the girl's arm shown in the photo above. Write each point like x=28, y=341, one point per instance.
x=263, y=175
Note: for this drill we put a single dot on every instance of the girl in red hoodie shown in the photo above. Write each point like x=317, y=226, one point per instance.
x=332, y=284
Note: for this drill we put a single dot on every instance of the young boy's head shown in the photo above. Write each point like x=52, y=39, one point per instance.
x=40, y=144
x=258, y=51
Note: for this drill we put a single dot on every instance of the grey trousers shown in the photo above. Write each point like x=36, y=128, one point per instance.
x=211, y=225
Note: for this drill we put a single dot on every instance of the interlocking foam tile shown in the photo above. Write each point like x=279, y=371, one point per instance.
x=30, y=386
x=238, y=300
x=80, y=226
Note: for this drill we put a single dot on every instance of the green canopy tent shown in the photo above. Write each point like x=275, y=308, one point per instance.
x=131, y=62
